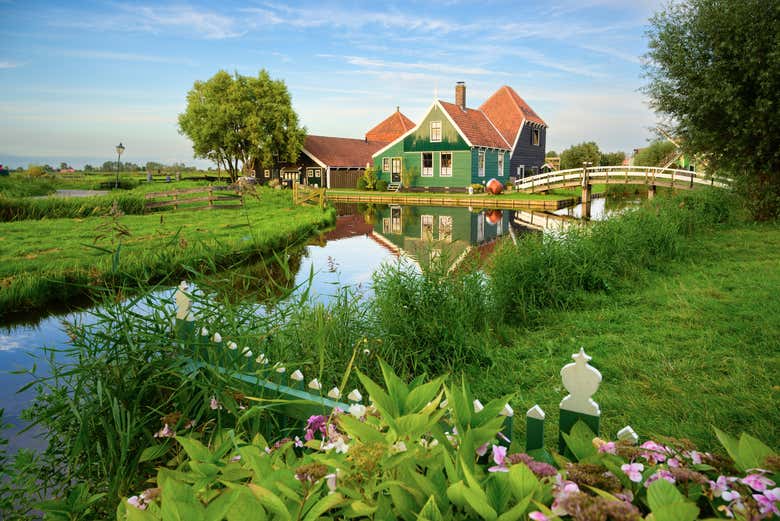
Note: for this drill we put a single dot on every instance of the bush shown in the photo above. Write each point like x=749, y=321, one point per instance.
x=381, y=185
x=362, y=184
x=36, y=171
x=477, y=188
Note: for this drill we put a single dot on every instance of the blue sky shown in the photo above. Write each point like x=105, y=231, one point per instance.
x=78, y=77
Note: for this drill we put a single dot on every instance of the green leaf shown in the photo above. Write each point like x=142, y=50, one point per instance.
x=522, y=481
x=516, y=512
x=430, y=511
x=360, y=509
x=421, y=395
x=396, y=387
x=154, y=452
x=662, y=493
x=270, y=501
x=194, y=449
x=477, y=500
x=729, y=443
x=752, y=452
x=382, y=401
x=323, y=505
x=403, y=502
x=682, y=511
x=218, y=508
x=360, y=430
x=580, y=441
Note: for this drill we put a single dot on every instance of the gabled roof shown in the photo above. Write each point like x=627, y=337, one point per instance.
x=475, y=126
x=393, y=126
x=340, y=152
x=507, y=110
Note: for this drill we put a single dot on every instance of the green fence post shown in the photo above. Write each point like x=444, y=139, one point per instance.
x=534, y=429
x=582, y=381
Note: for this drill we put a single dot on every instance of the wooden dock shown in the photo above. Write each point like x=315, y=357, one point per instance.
x=497, y=203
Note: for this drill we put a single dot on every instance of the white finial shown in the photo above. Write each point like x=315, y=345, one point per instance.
x=628, y=434
x=297, y=375
x=355, y=395
x=232, y=346
x=315, y=384
x=507, y=411
x=217, y=338
x=280, y=370
x=535, y=412
x=204, y=331
x=334, y=393
x=478, y=406
x=582, y=381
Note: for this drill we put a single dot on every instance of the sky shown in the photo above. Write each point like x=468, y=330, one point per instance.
x=78, y=77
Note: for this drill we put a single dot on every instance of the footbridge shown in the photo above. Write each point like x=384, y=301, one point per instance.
x=652, y=177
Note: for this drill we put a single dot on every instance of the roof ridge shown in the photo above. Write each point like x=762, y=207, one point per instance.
x=496, y=129
x=509, y=90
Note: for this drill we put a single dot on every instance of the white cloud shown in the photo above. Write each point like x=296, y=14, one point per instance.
x=125, y=56
x=430, y=67
x=8, y=65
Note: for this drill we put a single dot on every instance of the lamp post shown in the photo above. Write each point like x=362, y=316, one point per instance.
x=119, y=149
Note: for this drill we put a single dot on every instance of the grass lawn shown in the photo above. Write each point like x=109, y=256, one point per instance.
x=55, y=259
x=694, y=347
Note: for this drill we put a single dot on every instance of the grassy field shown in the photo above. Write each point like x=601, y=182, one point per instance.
x=53, y=260
x=22, y=185
x=694, y=346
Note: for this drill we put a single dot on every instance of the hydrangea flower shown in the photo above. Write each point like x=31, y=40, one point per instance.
x=654, y=452
x=608, y=447
x=499, y=457
x=757, y=482
x=165, y=432
x=137, y=502
x=661, y=474
x=315, y=424
x=633, y=471
x=537, y=516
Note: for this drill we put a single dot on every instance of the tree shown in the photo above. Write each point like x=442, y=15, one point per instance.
x=237, y=121
x=551, y=153
x=612, y=158
x=574, y=156
x=88, y=168
x=714, y=75
x=654, y=154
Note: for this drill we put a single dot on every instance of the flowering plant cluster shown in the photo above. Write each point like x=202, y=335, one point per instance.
x=431, y=451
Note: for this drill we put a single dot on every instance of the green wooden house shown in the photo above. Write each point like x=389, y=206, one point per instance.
x=454, y=146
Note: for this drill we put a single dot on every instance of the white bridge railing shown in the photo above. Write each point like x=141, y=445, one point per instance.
x=619, y=175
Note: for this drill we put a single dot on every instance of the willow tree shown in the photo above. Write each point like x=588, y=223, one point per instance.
x=237, y=121
x=714, y=71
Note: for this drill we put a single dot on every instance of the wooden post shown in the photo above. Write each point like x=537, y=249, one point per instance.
x=586, y=193
x=651, y=191
x=211, y=197
x=175, y=201
x=582, y=381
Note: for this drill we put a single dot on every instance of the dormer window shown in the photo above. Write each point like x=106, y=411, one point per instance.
x=435, y=131
x=535, y=137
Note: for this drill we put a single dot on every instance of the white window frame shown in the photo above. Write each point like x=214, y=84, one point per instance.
x=426, y=221
x=500, y=164
x=309, y=172
x=445, y=228
x=426, y=172
x=386, y=164
x=481, y=163
x=317, y=172
x=448, y=171
x=437, y=137
x=520, y=171
x=536, y=137
x=267, y=173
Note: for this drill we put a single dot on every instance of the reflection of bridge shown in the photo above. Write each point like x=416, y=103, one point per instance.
x=543, y=221
x=649, y=176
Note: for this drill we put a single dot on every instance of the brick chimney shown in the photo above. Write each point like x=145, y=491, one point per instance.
x=460, y=94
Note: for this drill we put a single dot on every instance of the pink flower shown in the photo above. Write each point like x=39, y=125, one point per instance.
x=608, y=448
x=561, y=491
x=214, y=404
x=633, y=471
x=673, y=462
x=695, y=457
x=654, y=453
x=499, y=456
x=768, y=502
x=757, y=482
x=315, y=424
x=165, y=432
x=482, y=450
x=730, y=495
x=661, y=474
x=137, y=502
x=537, y=516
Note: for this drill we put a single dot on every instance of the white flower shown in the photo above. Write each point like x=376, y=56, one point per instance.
x=334, y=393
x=297, y=376
x=399, y=446
x=261, y=359
x=355, y=395
x=339, y=444
x=204, y=332
x=216, y=338
x=478, y=406
x=357, y=410
x=315, y=384
x=507, y=411
x=443, y=404
x=366, y=352
x=280, y=370
x=232, y=346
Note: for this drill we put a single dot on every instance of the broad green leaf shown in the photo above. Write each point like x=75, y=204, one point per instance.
x=360, y=430
x=218, y=508
x=386, y=406
x=731, y=445
x=498, y=491
x=194, y=449
x=403, y=503
x=246, y=507
x=270, y=501
x=360, y=509
x=752, y=452
x=580, y=441
x=154, y=452
x=396, y=387
x=682, y=511
x=477, y=500
x=420, y=396
x=522, y=481
x=430, y=511
x=323, y=505
x=207, y=470
x=136, y=514
x=662, y=493
x=455, y=493
x=516, y=512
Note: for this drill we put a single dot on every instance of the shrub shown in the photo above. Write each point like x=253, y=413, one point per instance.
x=362, y=184
x=381, y=185
x=19, y=209
x=477, y=188
x=36, y=171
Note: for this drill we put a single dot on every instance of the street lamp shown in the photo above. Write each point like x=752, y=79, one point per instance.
x=119, y=149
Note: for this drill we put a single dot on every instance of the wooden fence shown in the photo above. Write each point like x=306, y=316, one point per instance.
x=190, y=198
x=308, y=195
x=298, y=400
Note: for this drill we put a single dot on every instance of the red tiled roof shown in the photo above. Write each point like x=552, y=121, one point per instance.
x=393, y=126
x=341, y=152
x=476, y=126
x=506, y=109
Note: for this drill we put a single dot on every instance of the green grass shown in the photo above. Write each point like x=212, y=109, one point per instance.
x=54, y=260
x=691, y=347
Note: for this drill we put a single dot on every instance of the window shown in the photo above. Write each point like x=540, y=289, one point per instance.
x=445, y=228
x=500, y=164
x=386, y=225
x=521, y=171
x=445, y=164
x=385, y=164
x=534, y=170
x=535, y=137
x=427, y=164
x=480, y=227
x=481, y=164
x=267, y=173
x=309, y=172
x=317, y=172
x=426, y=227
x=395, y=219
x=435, y=131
